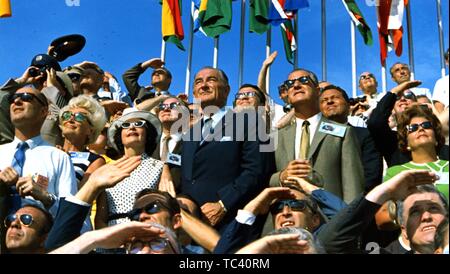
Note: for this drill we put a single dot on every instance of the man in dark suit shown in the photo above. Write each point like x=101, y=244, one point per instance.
x=220, y=169
x=334, y=105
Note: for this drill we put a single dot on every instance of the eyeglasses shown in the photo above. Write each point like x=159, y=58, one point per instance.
x=74, y=76
x=414, y=127
x=304, y=80
x=156, y=245
x=77, y=116
x=25, y=219
x=151, y=208
x=407, y=95
x=243, y=95
x=294, y=205
x=366, y=76
x=169, y=106
x=25, y=97
x=134, y=124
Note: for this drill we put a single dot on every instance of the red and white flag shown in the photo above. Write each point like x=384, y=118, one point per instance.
x=390, y=29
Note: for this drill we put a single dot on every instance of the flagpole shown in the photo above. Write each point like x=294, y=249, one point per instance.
x=296, y=38
x=268, y=50
x=241, y=46
x=216, y=52
x=324, y=42
x=441, y=36
x=191, y=46
x=163, y=50
x=352, y=31
x=410, y=41
x=383, y=78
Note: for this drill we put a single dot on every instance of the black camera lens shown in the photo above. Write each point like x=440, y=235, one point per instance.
x=33, y=72
x=287, y=108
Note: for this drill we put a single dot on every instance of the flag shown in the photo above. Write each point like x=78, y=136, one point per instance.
x=172, y=27
x=195, y=12
x=215, y=16
x=281, y=10
x=390, y=29
x=5, y=8
x=259, y=16
x=290, y=45
x=358, y=19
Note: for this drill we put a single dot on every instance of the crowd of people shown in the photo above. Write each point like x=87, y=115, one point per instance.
x=89, y=166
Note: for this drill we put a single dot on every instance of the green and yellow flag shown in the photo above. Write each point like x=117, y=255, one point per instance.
x=215, y=16
x=172, y=26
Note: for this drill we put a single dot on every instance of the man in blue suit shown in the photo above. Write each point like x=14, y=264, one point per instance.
x=221, y=161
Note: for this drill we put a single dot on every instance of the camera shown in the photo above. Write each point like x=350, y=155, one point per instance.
x=34, y=72
x=287, y=108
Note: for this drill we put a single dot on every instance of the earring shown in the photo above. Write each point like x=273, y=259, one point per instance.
x=408, y=148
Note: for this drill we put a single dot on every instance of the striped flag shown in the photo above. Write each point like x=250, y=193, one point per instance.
x=195, y=12
x=281, y=10
x=215, y=16
x=358, y=19
x=172, y=27
x=390, y=29
x=259, y=16
x=5, y=8
x=290, y=45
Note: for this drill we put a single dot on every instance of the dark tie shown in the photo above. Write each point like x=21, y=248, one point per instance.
x=165, y=147
x=17, y=163
x=207, y=128
x=304, y=141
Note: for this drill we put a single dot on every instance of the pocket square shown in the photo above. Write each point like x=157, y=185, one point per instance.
x=225, y=139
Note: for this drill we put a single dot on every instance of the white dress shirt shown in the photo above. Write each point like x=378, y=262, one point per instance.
x=45, y=160
x=174, y=139
x=313, y=124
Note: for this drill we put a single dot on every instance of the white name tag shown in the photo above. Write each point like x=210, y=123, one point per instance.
x=82, y=156
x=173, y=159
x=226, y=139
x=332, y=129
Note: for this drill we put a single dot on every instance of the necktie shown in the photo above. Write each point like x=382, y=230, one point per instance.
x=304, y=141
x=207, y=128
x=165, y=147
x=17, y=163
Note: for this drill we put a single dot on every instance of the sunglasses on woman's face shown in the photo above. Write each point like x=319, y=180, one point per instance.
x=415, y=127
x=25, y=219
x=133, y=124
x=168, y=106
x=77, y=116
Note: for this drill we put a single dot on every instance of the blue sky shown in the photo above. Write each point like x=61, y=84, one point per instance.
x=120, y=35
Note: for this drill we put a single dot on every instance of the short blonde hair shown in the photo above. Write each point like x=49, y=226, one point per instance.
x=97, y=115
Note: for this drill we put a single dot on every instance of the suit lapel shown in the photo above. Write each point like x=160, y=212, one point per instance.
x=318, y=137
x=288, y=138
x=218, y=129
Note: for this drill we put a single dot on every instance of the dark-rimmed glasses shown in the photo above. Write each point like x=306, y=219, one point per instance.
x=294, y=205
x=304, y=80
x=156, y=245
x=168, y=106
x=151, y=208
x=408, y=95
x=366, y=76
x=77, y=116
x=243, y=95
x=25, y=97
x=25, y=219
x=135, y=124
x=414, y=127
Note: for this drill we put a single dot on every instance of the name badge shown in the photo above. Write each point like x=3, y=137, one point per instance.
x=173, y=159
x=332, y=129
x=82, y=156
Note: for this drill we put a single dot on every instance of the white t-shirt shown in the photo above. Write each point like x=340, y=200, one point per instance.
x=440, y=92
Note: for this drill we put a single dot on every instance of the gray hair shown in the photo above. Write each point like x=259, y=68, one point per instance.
x=421, y=189
x=97, y=115
x=312, y=75
x=304, y=234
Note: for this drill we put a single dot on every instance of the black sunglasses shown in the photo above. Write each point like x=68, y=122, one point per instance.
x=366, y=76
x=25, y=219
x=294, y=205
x=304, y=80
x=407, y=95
x=77, y=116
x=151, y=208
x=25, y=97
x=414, y=127
x=74, y=76
x=168, y=106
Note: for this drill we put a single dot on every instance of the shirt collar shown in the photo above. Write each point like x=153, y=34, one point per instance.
x=32, y=143
x=216, y=117
x=312, y=120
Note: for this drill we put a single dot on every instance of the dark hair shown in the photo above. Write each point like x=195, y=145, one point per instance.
x=174, y=207
x=150, y=143
x=341, y=90
x=439, y=236
x=261, y=96
x=49, y=218
x=405, y=119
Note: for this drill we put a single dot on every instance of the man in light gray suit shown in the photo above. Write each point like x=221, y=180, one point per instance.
x=315, y=148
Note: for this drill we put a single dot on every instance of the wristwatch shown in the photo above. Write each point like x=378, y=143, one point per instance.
x=223, y=206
